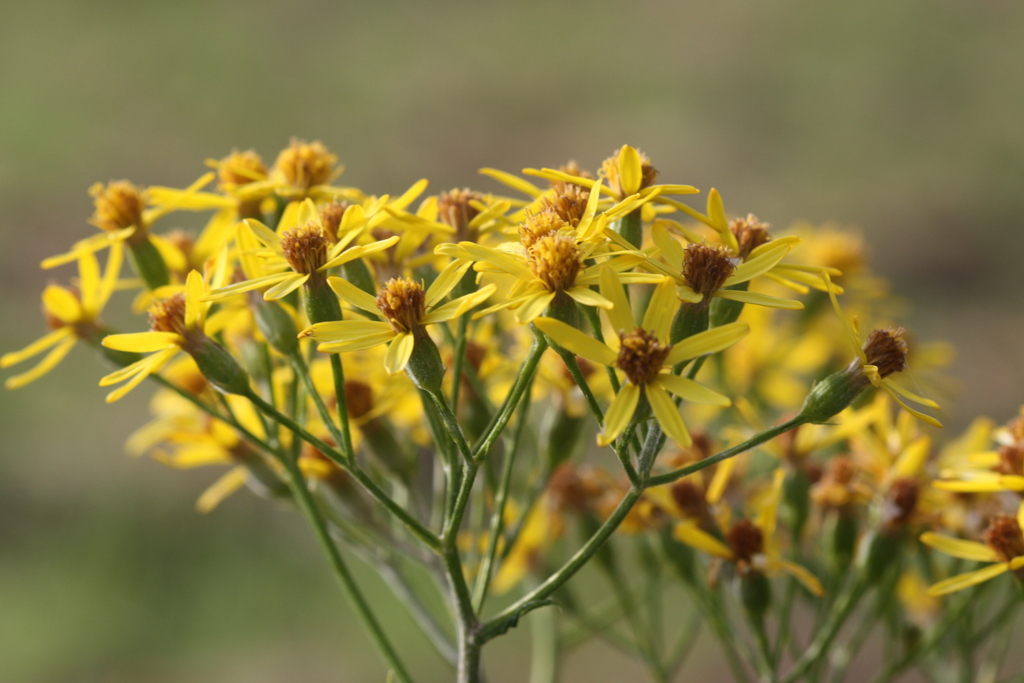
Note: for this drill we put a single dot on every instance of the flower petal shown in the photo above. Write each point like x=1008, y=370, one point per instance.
x=804, y=576
x=48, y=363
x=758, y=299
x=619, y=413
x=534, y=306
x=667, y=414
x=446, y=281
x=345, y=330
x=398, y=353
x=691, y=391
x=958, y=547
x=227, y=484
x=142, y=342
x=195, y=310
x=460, y=306
x=353, y=295
x=689, y=533
x=515, y=182
x=36, y=347
x=62, y=304
x=620, y=315
x=588, y=297
x=969, y=579
x=758, y=265
x=282, y=289
x=571, y=339
x=661, y=309
x=711, y=341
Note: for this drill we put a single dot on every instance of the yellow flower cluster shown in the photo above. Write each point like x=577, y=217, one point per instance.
x=463, y=385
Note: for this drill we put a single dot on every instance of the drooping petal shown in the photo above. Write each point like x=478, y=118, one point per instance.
x=958, y=547
x=911, y=396
x=143, y=369
x=230, y=482
x=969, y=579
x=927, y=419
x=344, y=330
x=534, y=306
x=711, y=341
x=398, y=353
x=620, y=315
x=720, y=480
x=667, y=414
x=571, y=339
x=109, y=282
x=48, y=363
x=364, y=342
x=689, y=533
x=619, y=413
x=62, y=304
x=804, y=576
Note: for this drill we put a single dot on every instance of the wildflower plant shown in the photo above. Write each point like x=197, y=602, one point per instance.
x=511, y=401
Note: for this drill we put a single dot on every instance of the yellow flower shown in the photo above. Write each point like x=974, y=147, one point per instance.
x=988, y=471
x=645, y=357
x=1004, y=545
x=883, y=354
x=406, y=310
x=751, y=545
x=71, y=313
x=177, y=323
x=300, y=253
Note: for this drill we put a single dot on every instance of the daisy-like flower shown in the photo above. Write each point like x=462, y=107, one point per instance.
x=990, y=471
x=1004, y=546
x=704, y=272
x=629, y=178
x=71, y=313
x=124, y=213
x=646, y=358
x=177, y=324
x=751, y=545
x=549, y=264
x=407, y=311
x=882, y=354
x=302, y=253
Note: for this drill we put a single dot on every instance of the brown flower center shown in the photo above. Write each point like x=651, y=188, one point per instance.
x=641, y=356
x=568, y=202
x=556, y=260
x=330, y=218
x=305, y=247
x=305, y=164
x=456, y=209
x=750, y=234
x=746, y=541
x=538, y=225
x=1011, y=460
x=358, y=398
x=887, y=350
x=691, y=500
x=118, y=205
x=706, y=269
x=1004, y=536
x=168, y=315
x=901, y=501
x=240, y=168
x=403, y=303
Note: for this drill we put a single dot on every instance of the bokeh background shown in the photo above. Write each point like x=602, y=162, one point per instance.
x=905, y=119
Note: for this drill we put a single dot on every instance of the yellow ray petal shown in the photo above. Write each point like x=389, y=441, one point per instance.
x=515, y=182
x=927, y=419
x=221, y=489
x=981, y=486
x=689, y=533
x=671, y=250
x=446, y=281
x=344, y=330
x=195, y=310
x=809, y=580
x=352, y=295
x=110, y=276
x=151, y=365
x=660, y=309
x=141, y=342
x=758, y=299
x=911, y=396
x=969, y=579
x=720, y=480
x=364, y=342
x=912, y=459
x=264, y=234
x=667, y=414
x=958, y=547
x=691, y=391
x=48, y=363
x=711, y=341
x=588, y=297
x=246, y=286
x=757, y=265
x=619, y=413
x=62, y=304
x=460, y=306
x=620, y=315
x=285, y=287
x=630, y=171
x=571, y=339
x=398, y=353
x=534, y=306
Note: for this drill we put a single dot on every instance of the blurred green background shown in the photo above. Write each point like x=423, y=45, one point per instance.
x=905, y=119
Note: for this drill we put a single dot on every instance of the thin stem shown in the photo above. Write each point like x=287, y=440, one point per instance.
x=460, y=359
x=451, y=423
x=301, y=369
x=756, y=440
x=341, y=571
x=412, y=524
x=483, y=578
x=841, y=611
x=339, y=394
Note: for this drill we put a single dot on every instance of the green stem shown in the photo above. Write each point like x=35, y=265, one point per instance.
x=756, y=440
x=451, y=424
x=483, y=578
x=341, y=571
x=841, y=611
x=460, y=359
x=414, y=526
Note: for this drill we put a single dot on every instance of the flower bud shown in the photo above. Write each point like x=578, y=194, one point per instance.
x=425, y=368
x=830, y=396
x=219, y=367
